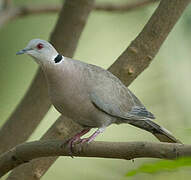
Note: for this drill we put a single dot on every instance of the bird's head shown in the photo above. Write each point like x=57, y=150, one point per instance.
x=42, y=51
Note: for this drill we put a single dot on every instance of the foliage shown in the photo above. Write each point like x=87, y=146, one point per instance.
x=161, y=166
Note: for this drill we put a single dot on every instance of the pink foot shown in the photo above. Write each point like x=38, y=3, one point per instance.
x=76, y=138
x=92, y=137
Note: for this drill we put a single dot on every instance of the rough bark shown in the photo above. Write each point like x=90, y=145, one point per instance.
x=118, y=150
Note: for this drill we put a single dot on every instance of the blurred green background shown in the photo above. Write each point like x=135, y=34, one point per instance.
x=164, y=87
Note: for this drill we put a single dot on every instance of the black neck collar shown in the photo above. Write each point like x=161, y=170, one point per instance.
x=58, y=58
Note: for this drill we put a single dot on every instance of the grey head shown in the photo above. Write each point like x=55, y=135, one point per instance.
x=42, y=51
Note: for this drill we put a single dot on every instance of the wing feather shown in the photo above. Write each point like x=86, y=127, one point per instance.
x=110, y=95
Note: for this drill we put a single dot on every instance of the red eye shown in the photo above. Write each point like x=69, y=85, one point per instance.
x=39, y=46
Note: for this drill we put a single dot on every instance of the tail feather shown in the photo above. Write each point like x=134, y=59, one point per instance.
x=159, y=132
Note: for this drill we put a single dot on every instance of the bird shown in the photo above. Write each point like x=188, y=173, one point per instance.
x=90, y=95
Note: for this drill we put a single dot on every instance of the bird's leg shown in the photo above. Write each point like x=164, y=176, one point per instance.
x=77, y=138
x=93, y=136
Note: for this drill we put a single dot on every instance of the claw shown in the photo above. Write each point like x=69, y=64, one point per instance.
x=71, y=146
x=75, y=139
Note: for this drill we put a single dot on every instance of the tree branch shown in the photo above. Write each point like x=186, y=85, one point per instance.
x=28, y=114
x=7, y=4
x=62, y=129
x=123, y=7
x=14, y=13
x=127, y=67
x=118, y=150
x=7, y=15
x=138, y=56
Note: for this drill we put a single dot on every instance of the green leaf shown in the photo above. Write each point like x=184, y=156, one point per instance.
x=161, y=166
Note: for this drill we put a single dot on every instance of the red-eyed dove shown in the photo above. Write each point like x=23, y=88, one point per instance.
x=91, y=95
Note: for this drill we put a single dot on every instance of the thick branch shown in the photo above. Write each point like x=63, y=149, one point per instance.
x=14, y=13
x=62, y=129
x=137, y=57
x=118, y=150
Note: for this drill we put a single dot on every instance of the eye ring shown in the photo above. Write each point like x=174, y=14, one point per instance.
x=39, y=46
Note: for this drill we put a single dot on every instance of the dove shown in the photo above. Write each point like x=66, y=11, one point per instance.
x=90, y=95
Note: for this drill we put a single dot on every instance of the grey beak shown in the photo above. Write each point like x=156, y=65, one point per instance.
x=23, y=51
